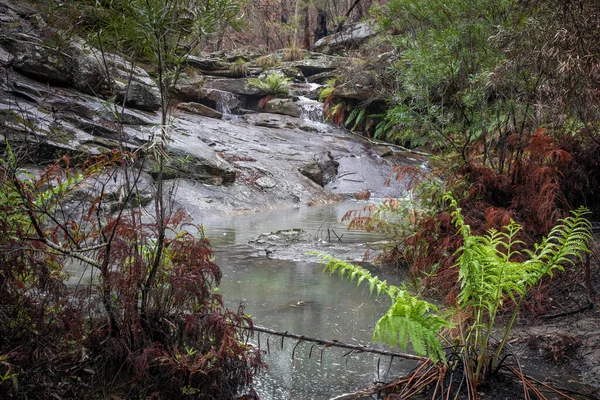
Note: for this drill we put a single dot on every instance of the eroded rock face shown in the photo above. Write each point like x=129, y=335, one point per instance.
x=73, y=66
x=132, y=85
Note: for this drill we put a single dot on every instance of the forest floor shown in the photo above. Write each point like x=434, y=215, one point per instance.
x=563, y=345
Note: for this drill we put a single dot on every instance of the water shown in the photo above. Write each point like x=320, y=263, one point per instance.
x=310, y=110
x=296, y=296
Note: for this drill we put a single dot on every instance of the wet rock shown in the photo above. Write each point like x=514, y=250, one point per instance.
x=238, y=86
x=351, y=36
x=198, y=162
x=317, y=63
x=313, y=172
x=272, y=120
x=382, y=151
x=133, y=85
x=200, y=109
x=282, y=106
x=265, y=182
x=328, y=165
x=5, y=57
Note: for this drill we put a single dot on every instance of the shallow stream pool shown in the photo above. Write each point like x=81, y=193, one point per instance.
x=296, y=296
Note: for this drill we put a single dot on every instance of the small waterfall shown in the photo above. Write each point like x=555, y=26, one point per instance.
x=225, y=101
x=310, y=110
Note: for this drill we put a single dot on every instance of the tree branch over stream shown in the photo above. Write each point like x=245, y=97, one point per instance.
x=336, y=343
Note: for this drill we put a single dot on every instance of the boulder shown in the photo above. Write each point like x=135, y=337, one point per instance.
x=5, y=57
x=351, y=36
x=205, y=63
x=360, y=87
x=132, y=85
x=74, y=66
x=313, y=172
x=282, y=106
x=200, y=109
x=328, y=165
x=191, y=89
x=265, y=182
x=197, y=161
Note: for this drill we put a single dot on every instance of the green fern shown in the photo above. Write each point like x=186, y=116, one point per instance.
x=489, y=273
x=274, y=83
x=409, y=319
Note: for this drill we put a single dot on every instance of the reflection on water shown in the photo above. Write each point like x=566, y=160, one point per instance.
x=298, y=297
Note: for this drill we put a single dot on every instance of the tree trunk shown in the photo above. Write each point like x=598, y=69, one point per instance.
x=306, y=35
x=321, y=29
x=284, y=16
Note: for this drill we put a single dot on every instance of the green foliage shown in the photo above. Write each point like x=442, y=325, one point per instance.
x=447, y=98
x=326, y=92
x=409, y=319
x=491, y=269
x=274, y=83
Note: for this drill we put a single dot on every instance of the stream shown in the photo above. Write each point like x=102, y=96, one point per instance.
x=293, y=294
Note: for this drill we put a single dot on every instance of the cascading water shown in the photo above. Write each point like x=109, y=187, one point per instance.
x=225, y=102
x=310, y=110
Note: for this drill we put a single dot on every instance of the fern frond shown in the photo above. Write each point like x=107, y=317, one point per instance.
x=409, y=319
x=413, y=320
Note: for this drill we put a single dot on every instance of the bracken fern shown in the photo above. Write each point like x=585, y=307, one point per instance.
x=409, y=319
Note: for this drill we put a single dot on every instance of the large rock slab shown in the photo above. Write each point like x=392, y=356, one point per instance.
x=200, y=109
x=238, y=86
x=282, y=106
x=351, y=36
x=317, y=63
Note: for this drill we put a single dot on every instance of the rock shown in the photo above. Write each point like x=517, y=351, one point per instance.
x=192, y=89
x=382, y=151
x=200, y=109
x=205, y=63
x=5, y=57
x=73, y=66
x=313, y=172
x=238, y=86
x=328, y=166
x=272, y=120
x=196, y=161
x=133, y=85
x=265, y=182
x=350, y=37
x=317, y=63
x=282, y=106
x=323, y=77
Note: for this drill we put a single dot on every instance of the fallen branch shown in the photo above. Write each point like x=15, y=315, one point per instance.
x=336, y=343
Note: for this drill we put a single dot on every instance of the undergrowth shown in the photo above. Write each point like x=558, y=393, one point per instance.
x=492, y=268
x=123, y=330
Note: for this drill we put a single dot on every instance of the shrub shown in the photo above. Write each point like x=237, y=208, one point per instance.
x=268, y=62
x=293, y=54
x=239, y=68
